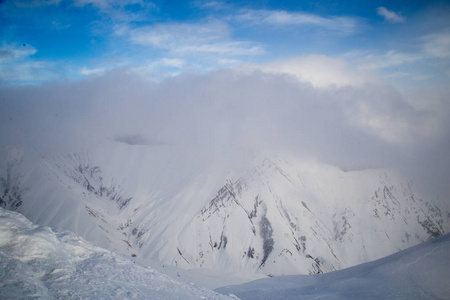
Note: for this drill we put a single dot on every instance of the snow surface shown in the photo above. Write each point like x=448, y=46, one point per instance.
x=38, y=262
x=420, y=272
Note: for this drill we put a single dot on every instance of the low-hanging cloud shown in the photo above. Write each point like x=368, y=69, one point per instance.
x=233, y=114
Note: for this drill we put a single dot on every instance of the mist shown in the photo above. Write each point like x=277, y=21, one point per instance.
x=231, y=115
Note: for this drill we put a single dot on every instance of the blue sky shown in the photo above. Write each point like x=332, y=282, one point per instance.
x=404, y=42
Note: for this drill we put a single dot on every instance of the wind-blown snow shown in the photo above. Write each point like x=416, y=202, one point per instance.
x=420, y=272
x=38, y=262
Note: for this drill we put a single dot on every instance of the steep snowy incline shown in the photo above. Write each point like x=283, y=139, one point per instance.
x=40, y=263
x=420, y=272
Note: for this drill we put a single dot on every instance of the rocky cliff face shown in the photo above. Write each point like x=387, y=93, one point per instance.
x=11, y=189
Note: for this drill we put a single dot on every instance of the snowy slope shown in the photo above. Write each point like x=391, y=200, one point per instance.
x=273, y=215
x=420, y=272
x=41, y=263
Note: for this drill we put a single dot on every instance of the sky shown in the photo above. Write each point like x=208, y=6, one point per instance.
x=355, y=83
x=60, y=40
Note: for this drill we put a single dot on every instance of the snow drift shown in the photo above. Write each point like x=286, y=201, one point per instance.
x=42, y=263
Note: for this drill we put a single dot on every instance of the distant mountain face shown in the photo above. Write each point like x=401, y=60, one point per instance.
x=283, y=215
x=294, y=217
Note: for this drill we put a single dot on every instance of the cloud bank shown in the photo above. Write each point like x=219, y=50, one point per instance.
x=233, y=114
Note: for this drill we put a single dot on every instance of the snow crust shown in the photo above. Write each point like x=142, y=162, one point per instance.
x=420, y=272
x=38, y=262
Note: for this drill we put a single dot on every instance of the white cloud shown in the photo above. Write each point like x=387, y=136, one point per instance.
x=212, y=37
x=318, y=70
x=164, y=67
x=34, y=3
x=60, y=26
x=229, y=63
x=172, y=62
x=344, y=25
x=155, y=70
x=28, y=71
x=228, y=48
x=108, y=4
x=437, y=44
x=390, y=16
x=389, y=59
x=368, y=105
x=171, y=36
x=95, y=71
x=230, y=113
x=385, y=125
x=16, y=64
x=15, y=52
x=121, y=10
x=212, y=5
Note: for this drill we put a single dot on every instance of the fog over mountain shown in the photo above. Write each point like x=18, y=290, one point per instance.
x=231, y=115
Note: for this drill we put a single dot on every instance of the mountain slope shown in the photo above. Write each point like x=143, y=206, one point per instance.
x=420, y=272
x=40, y=263
x=275, y=216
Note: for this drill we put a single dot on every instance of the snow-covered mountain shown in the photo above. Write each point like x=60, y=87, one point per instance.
x=420, y=272
x=275, y=215
x=297, y=217
x=38, y=262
